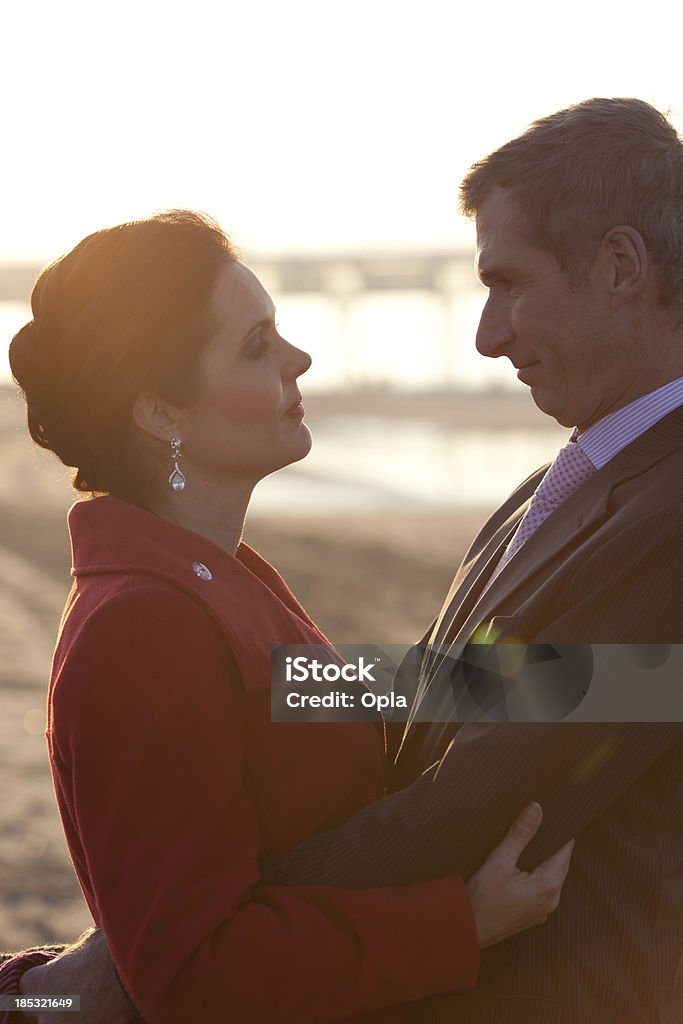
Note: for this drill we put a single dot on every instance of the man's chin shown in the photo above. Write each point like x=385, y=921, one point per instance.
x=549, y=404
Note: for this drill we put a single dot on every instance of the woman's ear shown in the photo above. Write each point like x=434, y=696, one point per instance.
x=155, y=417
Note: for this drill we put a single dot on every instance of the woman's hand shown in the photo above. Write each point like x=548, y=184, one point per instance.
x=506, y=900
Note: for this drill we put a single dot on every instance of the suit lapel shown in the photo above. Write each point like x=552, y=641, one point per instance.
x=581, y=513
x=470, y=580
x=583, y=510
x=579, y=516
x=472, y=574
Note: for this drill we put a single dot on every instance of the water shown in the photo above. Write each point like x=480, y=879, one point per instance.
x=373, y=462
x=370, y=462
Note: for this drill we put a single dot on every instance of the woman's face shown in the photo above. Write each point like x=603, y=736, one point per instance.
x=248, y=419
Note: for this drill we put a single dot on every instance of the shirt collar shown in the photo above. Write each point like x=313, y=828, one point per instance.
x=614, y=432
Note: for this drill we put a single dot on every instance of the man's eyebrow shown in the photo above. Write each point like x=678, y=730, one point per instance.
x=485, y=273
x=491, y=273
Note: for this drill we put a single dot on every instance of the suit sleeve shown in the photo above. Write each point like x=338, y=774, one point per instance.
x=147, y=750
x=455, y=812
x=453, y=815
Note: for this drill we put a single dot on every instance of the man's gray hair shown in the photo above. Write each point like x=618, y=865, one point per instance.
x=577, y=173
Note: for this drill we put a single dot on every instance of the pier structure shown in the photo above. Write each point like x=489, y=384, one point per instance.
x=344, y=279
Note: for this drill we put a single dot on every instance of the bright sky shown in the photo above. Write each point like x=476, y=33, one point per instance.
x=297, y=123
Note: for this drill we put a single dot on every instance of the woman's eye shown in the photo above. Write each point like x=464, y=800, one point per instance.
x=259, y=348
x=260, y=345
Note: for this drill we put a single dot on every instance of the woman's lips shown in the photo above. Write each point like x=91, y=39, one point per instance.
x=296, y=409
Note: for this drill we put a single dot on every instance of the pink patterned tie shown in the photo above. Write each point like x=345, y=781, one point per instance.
x=571, y=468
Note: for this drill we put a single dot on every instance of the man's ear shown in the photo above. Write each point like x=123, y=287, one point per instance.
x=627, y=261
x=155, y=417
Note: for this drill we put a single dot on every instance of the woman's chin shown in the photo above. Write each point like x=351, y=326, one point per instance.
x=302, y=445
x=295, y=450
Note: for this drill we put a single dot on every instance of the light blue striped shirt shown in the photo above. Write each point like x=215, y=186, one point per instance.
x=608, y=436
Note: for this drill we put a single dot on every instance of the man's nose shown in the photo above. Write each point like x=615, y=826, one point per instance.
x=495, y=330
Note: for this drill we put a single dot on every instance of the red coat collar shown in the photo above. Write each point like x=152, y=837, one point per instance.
x=110, y=535
x=245, y=594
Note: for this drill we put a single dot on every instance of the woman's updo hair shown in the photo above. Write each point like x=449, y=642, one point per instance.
x=127, y=310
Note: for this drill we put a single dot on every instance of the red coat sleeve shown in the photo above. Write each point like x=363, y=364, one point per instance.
x=147, y=752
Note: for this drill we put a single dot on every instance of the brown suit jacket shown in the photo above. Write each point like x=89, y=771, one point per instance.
x=606, y=567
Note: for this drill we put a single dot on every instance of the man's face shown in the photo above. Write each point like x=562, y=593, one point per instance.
x=561, y=338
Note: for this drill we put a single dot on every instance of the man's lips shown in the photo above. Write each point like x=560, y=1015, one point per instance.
x=524, y=371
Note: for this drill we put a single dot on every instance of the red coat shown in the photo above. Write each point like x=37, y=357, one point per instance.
x=172, y=782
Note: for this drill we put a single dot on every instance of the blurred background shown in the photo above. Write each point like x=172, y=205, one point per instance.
x=329, y=139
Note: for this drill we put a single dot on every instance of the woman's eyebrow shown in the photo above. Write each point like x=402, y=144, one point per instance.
x=266, y=322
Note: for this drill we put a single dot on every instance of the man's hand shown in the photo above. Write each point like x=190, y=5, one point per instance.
x=86, y=970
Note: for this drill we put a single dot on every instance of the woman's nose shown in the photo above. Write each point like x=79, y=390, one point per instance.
x=297, y=361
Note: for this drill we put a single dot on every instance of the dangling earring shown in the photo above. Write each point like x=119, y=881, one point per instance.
x=176, y=479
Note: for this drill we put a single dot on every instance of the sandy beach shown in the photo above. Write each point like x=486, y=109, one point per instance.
x=379, y=575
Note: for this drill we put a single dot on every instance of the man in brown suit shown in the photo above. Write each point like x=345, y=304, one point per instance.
x=580, y=243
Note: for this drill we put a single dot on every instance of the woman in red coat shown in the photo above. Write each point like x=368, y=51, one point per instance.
x=153, y=363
